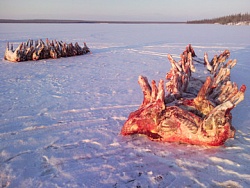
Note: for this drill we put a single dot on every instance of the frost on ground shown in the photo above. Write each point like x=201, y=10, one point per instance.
x=60, y=119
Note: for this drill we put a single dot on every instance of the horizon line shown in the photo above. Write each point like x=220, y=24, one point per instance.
x=86, y=21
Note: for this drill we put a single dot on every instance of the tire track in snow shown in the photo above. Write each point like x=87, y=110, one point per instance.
x=148, y=52
x=68, y=119
x=100, y=108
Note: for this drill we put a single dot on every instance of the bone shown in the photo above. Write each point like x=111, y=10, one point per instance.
x=206, y=62
x=146, y=89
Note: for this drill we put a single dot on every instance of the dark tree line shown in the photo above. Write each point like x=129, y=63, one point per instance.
x=235, y=18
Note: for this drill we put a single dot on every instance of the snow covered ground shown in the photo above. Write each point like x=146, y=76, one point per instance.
x=60, y=119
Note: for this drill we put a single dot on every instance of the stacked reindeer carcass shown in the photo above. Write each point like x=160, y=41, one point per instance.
x=193, y=111
x=37, y=50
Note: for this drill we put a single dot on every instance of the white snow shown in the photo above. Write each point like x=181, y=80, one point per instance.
x=247, y=23
x=60, y=119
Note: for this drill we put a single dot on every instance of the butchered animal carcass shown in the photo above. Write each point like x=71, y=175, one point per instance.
x=190, y=110
x=31, y=50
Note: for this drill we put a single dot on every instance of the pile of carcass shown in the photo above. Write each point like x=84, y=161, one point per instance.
x=31, y=50
x=193, y=111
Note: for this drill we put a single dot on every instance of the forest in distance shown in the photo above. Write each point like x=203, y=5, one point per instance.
x=234, y=19
x=230, y=19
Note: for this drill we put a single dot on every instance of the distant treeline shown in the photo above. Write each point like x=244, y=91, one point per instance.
x=234, y=19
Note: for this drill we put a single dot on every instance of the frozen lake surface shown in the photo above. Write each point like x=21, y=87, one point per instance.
x=60, y=119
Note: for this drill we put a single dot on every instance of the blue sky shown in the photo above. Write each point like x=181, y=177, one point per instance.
x=130, y=10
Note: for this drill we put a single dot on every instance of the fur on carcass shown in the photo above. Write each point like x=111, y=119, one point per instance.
x=187, y=114
x=11, y=55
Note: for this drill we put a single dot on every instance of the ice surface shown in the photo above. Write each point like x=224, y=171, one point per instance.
x=60, y=119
